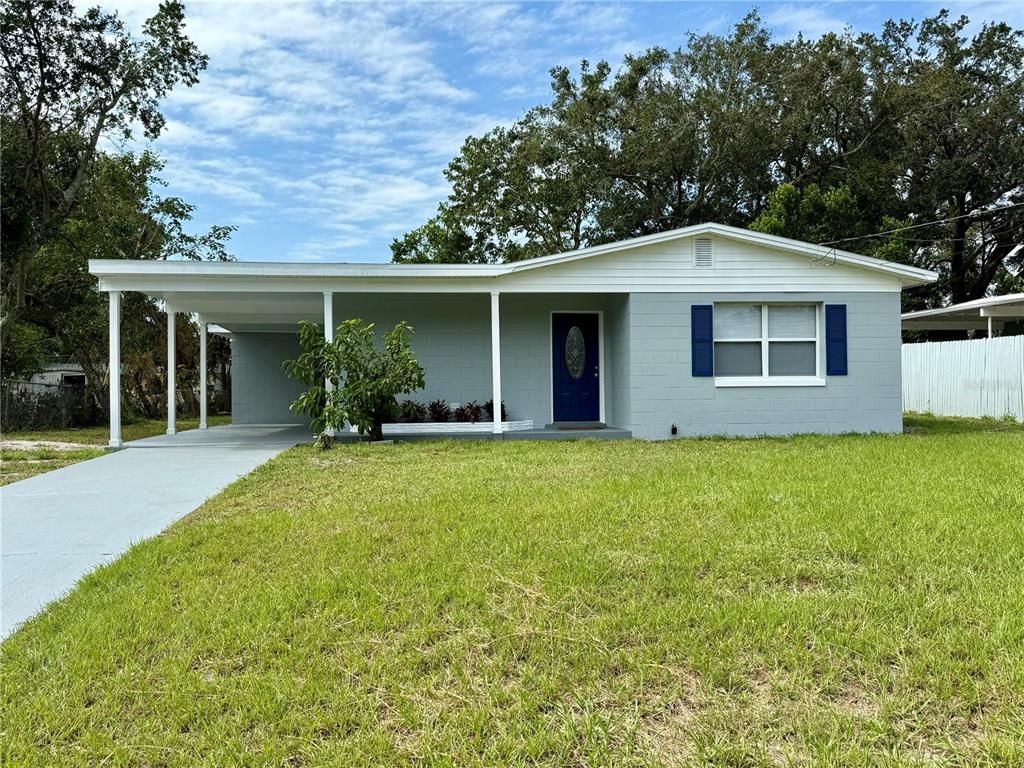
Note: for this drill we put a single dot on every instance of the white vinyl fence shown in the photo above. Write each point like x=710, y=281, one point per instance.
x=980, y=377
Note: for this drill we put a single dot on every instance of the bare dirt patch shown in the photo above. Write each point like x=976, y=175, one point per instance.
x=32, y=445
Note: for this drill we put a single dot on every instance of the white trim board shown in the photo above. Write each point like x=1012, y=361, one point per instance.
x=118, y=274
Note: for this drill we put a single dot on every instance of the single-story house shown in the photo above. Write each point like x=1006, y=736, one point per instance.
x=702, y=330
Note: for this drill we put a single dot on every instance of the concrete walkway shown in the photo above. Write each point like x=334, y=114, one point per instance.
x=59, y=526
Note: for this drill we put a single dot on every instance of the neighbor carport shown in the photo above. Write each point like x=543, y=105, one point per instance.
x=990, y=314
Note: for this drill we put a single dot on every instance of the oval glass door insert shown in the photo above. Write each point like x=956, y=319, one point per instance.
x=575, y=353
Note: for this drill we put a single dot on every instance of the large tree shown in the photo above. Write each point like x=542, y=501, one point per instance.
x=961, y=121
x=873, y=132
x=70, y=80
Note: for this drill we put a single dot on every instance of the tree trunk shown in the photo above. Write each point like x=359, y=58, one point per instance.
x=959, y=290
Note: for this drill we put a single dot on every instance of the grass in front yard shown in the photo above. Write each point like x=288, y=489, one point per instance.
x=99, y=435
x=929, y=424
x=840, y=601
x=19, y=463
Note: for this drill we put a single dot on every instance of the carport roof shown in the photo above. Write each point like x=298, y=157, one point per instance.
x=968, y=315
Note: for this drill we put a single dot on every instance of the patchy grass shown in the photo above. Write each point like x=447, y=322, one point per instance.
x=133, y=430
x=19, y=463
x=835, y=601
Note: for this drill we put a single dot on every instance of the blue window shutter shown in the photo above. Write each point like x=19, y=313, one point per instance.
x=835, y=339
x=702, y=339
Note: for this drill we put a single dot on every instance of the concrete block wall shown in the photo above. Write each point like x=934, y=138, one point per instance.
x=617, y=336
x=452, y=339
x=663, y=391
x=646, y=363
x=526, y=352
x=261, y=392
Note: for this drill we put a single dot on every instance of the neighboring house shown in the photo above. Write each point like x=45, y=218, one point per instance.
x=697, y=331
x=60, y=372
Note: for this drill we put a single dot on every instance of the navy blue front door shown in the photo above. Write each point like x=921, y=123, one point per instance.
x=576, y=367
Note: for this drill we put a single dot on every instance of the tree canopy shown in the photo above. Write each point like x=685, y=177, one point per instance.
x=69, y=80
x=835, y=138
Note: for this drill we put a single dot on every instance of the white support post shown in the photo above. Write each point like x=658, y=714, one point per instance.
x=329, y=334
x=171, y=370
x=496, y=360
x=202, y=373
x=990, y=326
x=114, y=369
x=329, y=315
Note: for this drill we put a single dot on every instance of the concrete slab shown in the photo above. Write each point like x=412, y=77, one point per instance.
x=59, y=526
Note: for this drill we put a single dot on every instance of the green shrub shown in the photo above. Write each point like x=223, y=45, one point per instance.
x=411, y=412
x=438, y=410
x=365, y=378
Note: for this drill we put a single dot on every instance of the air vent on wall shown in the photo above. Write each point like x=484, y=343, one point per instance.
x=703, y=253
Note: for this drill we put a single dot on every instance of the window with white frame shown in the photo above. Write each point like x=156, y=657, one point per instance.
x=765, y=340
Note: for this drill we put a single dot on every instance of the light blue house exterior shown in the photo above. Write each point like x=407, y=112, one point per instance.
x=707, y=330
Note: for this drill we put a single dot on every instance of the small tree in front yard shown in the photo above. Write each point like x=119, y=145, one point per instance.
x=365, y=379
x=372, y=376
x=316, y=364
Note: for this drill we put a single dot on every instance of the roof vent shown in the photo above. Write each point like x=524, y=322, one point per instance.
x=703, y=254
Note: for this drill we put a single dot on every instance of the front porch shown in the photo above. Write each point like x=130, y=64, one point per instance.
x=499, y=347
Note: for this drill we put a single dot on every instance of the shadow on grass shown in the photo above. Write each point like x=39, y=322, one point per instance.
x=930, y=424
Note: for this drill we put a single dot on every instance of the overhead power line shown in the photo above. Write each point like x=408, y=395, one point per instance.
x=924, y=224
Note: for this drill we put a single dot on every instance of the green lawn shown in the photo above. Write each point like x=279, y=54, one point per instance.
x=832, y=601
x=130, y=430
x=19, y=463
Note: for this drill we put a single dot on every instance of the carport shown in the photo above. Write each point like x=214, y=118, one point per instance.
x=990, y=314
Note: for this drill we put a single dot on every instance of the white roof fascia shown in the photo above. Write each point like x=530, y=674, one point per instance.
x=967, y=306
x=131, y=267
x=115, y=268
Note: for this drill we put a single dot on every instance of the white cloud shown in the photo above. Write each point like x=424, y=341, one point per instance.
x=324, y=129
x=180, y=134
x=1011, y=13
x=329, y=125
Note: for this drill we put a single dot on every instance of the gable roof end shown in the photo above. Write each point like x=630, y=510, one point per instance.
x=908, y=274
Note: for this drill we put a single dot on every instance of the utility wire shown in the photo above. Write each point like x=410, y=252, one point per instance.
x=985, y=233
x=924, y=224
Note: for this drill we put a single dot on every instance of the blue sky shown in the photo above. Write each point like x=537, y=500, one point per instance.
x=322, y=131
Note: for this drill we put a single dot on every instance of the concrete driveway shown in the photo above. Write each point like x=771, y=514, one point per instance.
x=59, y=526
